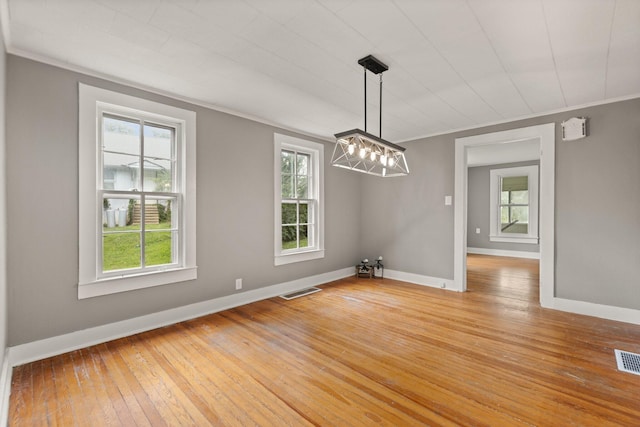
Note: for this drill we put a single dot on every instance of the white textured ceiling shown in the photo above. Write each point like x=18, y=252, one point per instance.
x=453, y=64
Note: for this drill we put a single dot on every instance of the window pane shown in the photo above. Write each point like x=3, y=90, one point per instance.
x=302, y=164
x=287, y=187
x=520, y=214
x=121, y=233
x=504, y=198
x=118, y=213
x=286, y=162
x=515, y=183
x=304, y=238
x=504, y=215
x=289, y=237
x=302, y=184
x=158, y=142
x=158, y=246
x=109, y=178
x=120, y=136
x=159, y=212
x=158, y=156
x=120, y=250
x=289, y=213
x=514, y=219
x=520, y=197
x=304, y=213
x=157, y=175
x=120, y=171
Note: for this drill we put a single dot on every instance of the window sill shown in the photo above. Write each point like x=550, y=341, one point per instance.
x=514, y=239
x=113, y=285
x=283, y=259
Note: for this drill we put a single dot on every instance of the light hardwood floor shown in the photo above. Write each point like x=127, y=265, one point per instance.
x=361, y=352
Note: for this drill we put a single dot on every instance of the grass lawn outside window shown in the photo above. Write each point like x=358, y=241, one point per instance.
x=291, y=244
x=122, y=250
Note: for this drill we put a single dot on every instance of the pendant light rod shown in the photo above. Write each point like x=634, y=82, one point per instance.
x=374, y=65
x=380, y=133
x=365, y=99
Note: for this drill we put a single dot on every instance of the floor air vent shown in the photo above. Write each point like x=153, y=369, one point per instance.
x=628, y=362
x=301, y=293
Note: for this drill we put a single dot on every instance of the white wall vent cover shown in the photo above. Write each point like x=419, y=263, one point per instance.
x=628, y=362
x=301, y=293
x=574, y=128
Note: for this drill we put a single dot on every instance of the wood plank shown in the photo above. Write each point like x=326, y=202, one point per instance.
x=140, y=405
x=361, y=352
x=66, y=411
x=168, y=399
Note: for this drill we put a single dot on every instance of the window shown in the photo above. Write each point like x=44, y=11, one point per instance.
x=299, y=221
x=514, y=205
x=137, y=193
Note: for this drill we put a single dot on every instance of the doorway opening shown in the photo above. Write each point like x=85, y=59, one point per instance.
x=544, y=135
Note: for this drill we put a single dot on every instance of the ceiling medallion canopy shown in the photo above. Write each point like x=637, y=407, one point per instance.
x=363, y=152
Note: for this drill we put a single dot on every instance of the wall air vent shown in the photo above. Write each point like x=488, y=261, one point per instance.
x=301, y=293
x=574, y=128
x=628, y=362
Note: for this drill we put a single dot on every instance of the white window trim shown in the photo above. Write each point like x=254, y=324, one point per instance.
x=91, y=100
x=495, y=234
x=317, y=151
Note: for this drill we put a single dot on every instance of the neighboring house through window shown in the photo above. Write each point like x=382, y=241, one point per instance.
x=137, y=193
x=514, y=205
x=299, y=222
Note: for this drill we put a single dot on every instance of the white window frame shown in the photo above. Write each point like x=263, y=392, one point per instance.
x=316, y=187
x=495, y=232
x=92, y=103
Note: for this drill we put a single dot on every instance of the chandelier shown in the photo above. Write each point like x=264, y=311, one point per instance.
x=363, y=152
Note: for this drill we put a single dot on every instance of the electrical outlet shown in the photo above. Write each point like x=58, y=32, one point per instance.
x=444, y=285
x=477, y=231
x=238, y=284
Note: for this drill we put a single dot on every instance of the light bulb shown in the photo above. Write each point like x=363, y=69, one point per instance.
x=384, y=171
x=373, y=156
x=383, y=160
x=391, y=162
x=363, y=152
x=352, y=148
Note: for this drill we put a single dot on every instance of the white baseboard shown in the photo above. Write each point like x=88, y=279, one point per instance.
x=37, y=350
x=5, y=389
x=609, y=312
x=419, y=279
x=504, y=252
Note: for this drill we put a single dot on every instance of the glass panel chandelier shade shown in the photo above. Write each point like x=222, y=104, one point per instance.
x=362, y=152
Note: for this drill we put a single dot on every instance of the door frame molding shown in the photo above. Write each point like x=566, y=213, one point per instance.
x=545, y=134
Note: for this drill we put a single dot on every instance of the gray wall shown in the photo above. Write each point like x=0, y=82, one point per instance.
x=597, y=207
x=478, y=209
x=405, y=218
x=234, y=209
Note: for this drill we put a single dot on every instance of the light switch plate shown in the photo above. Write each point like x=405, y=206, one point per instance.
x=447, y=200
